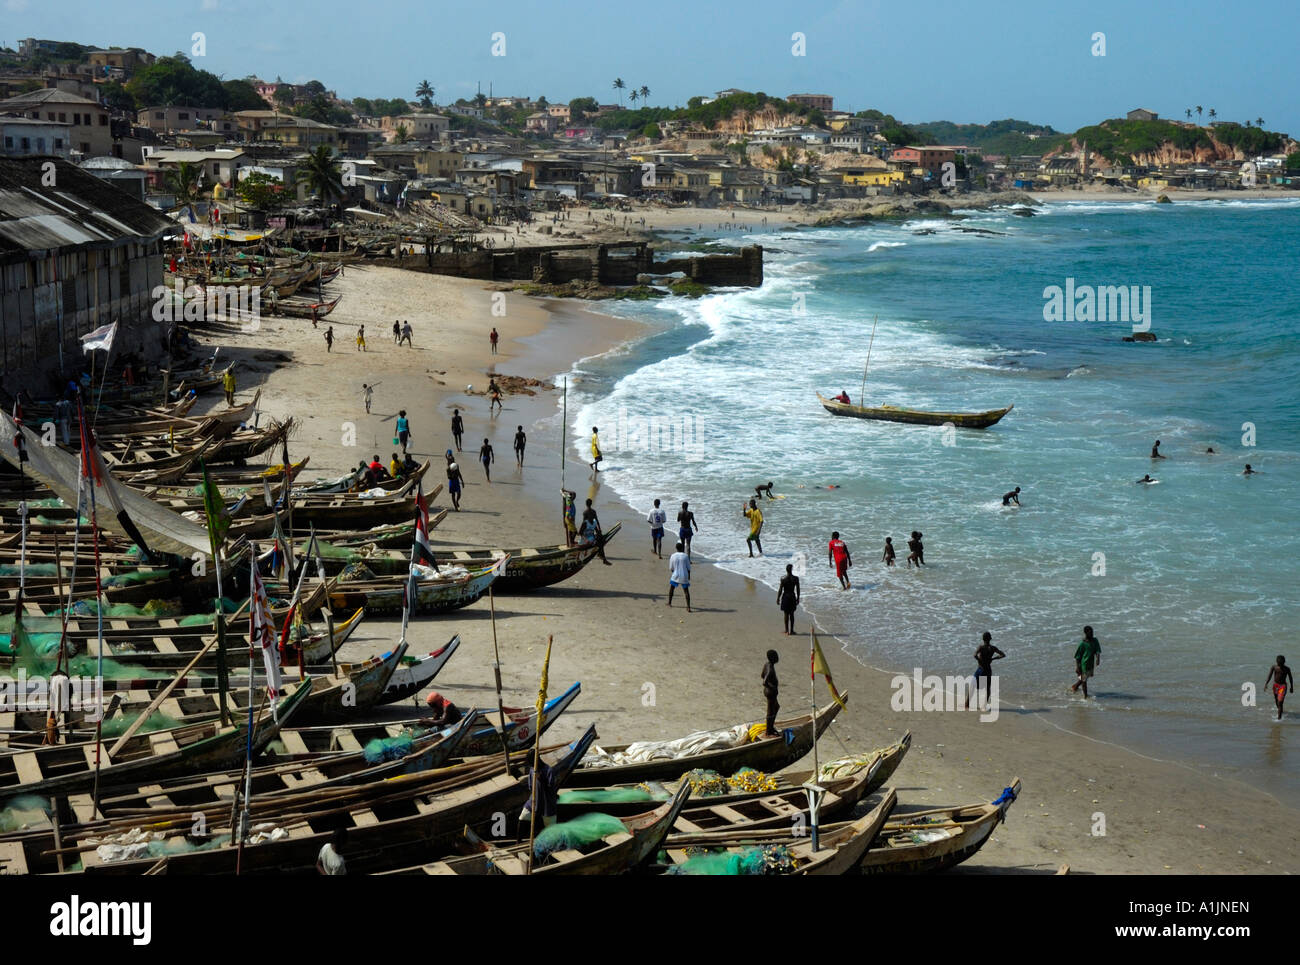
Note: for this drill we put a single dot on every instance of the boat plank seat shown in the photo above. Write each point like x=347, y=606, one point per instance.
x=364, y=818
x=682, y=825
x=293, y=742
x=566, y=854
x=13, y=861
x=731, y=814
x=526, y=552
x=345, y=741
x=83, y=806
x=162, y=742
x=28, y=768
x=165, y=645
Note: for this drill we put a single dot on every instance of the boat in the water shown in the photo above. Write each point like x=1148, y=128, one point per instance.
x=921, y=417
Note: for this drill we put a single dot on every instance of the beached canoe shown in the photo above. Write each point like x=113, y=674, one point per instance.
x=935, y=840
x=414, y=674
x=404, y=824
x=890, y=413
x=520, y=727
x=613, y=854
x=438, y=595
x=723, y=751
x=840, y=846
x=64, y=768
x=531, y=568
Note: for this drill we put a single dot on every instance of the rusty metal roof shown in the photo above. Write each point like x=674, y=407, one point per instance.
x=78, y=209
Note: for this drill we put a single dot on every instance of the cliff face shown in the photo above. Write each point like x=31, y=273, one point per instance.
x=1170, y=154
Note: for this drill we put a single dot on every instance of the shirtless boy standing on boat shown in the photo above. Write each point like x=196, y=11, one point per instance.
x=771, y=689
x=1279, y=675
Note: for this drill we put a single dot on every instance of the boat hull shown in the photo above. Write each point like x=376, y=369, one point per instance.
x=921, y=417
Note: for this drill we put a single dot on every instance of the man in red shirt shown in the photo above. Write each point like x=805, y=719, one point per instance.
x=838, y=556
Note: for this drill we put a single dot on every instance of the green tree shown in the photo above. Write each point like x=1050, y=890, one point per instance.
x=321, y=173
x=262, y=191
x=1259, y=122
x=242, y=96
x=1213, y=113
x=117, y=97
x=425, y=93
x=618, y=86
x=402, y=134
x=633, y=96
x=580, y=108
x=1198, y=111
x=480, y=100
x=652, y=130
x=816, y=118
x=363, y=106
x=183, y=182
x=1293, y=161
x=645, y=92
x=285, y=96
x=173, y=80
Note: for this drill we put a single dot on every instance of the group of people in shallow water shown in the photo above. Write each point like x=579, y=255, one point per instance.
x=1209, y=451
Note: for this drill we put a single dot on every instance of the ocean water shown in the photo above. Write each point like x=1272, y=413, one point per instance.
x=1190, y=585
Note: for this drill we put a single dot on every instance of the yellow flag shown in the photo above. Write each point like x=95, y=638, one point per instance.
x=819, y=667
x=541, y=690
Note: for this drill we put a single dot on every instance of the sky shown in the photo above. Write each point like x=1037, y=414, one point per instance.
x=940, y=60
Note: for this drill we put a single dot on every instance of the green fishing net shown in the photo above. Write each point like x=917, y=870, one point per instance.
x=136, y=577
x=581, y=832
x=355, y=572
x=116, y=726
x=706, y=783
x=24, y=811
x=388, y=748
x=773, y=859
x=31, y=569
x=613, y=795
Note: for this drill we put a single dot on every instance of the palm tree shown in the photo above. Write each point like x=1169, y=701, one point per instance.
x=633, y=96
x=1259, y=122
x=480, y=100
x=320, y=172
x=402, y=134
x=645, y=92
x=1189, y=113
x=425, y=93
x=1198, y=111
x=618, y=86
x=1213, y=113
x=184, y=182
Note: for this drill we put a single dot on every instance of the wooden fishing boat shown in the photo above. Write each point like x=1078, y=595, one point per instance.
x=220, y=475
x=414, y=674
x=62, y=768
x=519, y=727
x=306, y=308
x=531, y=568
x=840, y=845
x=394, y=828
x=890, y=413
x=613, y=854
x=846, y=781
x=438, y=595
x=921, y=842
x=727, y=753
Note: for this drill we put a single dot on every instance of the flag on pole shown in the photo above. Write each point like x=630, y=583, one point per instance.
x=819, y=667
x=100, y=338
x=423, y=551
x=541, y=690
x=218, y=520
x=261, y=633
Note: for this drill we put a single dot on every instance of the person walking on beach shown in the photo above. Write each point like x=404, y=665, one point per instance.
x=487, y=457
x=521, y=440
x=985, y=654
x=787, y=597
x=457, y=427
x=1011, y=497
x=228, y=383
x=755, y=517
x=1087, y=657
x=686, y=526
x=596, y=457
x=493, y=338
x=679, y=574
x=888, y=557
x=361, y=338
x=397, y=331
x=406, y=334
x=656, y=518
x=494, y=391
x=329, y=339
x=1279, y=675
x=367, y=395
x=771, y=690
x=455, y=481
x=570, y=511
x=837, y=555
x=1155, y=451
x=591, y=531
x=403, y=430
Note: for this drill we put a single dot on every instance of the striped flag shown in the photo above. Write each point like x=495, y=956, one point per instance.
x=819, y=667
x=261, y=633
x=423, y=552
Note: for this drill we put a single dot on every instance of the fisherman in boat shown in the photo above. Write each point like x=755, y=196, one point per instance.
x=843, y=397
x=395, y=467
x=377, y=469
x=591, y=532
x=444, y=712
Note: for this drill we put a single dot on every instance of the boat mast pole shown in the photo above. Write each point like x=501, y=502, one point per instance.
x=564, y=445
x=811, y=787
x=253, y=640
x=86, y=437
x=496, y=669
x=862, y=397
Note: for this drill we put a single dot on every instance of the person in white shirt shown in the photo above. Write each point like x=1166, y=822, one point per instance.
x=330, y=860
x=679, y=574
x=656, y=519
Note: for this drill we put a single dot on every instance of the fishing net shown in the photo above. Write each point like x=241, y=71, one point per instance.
x=355, y=573
x=705, y=783
x=774, y=859
x=388, y=748
x=116, y=726
x=154, y=609
x=24, y=811
x=328, y=551
x=31, y=569
x=196, y=620
x=749, y=781
x=613, y=795
x=845, y=766
x=136, y=577
x=583, y=831
x=46, y=521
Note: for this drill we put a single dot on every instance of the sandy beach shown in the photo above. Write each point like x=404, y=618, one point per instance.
x=648, y=671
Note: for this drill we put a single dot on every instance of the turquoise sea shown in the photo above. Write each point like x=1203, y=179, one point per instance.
x=1198, y=591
